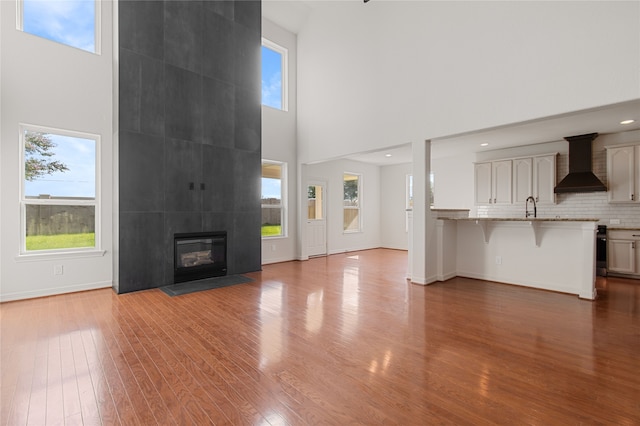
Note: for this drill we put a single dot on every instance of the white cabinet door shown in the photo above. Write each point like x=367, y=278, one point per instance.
x=621, y=256
x=522, y=180
x=544, y=178
x=501, y=179
x=483, y=194
x=621, y=171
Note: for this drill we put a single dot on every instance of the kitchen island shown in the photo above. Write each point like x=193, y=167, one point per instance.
x=555, y=254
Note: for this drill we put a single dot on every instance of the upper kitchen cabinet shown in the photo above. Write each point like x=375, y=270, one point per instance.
x=544, y=178
x=493, y=182
x=536, y=177
x=623, y=172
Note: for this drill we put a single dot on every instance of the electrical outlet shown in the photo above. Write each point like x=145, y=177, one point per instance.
x=498, y=260
x=58, y=270
x=615, y=221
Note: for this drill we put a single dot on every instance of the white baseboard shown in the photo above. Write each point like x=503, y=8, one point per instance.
x=21, y=295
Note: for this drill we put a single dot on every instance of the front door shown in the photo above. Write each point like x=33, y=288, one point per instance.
x=316, y=220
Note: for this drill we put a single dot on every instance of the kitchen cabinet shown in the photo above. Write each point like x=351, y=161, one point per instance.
x=534, y=176
x=623, y=174
x=623, y=251
x=493, y=182
x=544, y=178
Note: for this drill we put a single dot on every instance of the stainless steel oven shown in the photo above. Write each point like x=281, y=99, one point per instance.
x=601, y=251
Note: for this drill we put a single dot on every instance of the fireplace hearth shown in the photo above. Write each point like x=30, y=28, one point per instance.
x=199, y=255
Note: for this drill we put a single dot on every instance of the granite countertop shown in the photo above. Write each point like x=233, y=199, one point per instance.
x=522, y=219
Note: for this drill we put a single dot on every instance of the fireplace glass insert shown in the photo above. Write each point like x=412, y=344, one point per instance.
x=199, y=255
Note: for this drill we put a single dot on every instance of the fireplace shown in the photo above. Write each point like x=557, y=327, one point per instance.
x=199, y=255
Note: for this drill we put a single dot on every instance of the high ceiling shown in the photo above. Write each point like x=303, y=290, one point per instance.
x=292, y=15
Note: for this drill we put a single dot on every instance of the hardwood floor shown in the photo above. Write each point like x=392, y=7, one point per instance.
x=331, y=341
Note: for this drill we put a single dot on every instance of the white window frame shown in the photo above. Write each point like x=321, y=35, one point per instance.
x=358, y=207
x=96, y=202
x=283, y=199
x=97, y=27
x=284, y=54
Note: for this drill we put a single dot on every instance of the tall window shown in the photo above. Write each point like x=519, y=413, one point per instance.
x=70, y=22
x=273, y=199
x=352, y=202
x=58, y=194
x=274, y=75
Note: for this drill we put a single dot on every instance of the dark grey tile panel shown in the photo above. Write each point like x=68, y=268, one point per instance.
x=249, y=14
x=223, y=8
x=219, y=55
x=246, y=255
x=246, y=181
x=183, y=110
x=141, y=27
x=248, y=130
x=141, y=251
x=141, y=93
x=183, y=176
x=218, y=99
x=218, y=174
x=183, y=34
x=141, y=165
x=247, y=58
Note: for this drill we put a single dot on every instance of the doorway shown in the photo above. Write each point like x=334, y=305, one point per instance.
x=316, y=219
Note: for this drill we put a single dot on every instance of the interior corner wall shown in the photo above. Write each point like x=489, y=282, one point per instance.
x=453, y=181
x=279, y=144
x=189, y=135
x=393, y=215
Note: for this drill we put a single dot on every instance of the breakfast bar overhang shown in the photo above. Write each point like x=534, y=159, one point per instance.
x=551, y=254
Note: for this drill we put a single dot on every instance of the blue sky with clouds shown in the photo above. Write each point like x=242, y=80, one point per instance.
x=71, y=22
x=271, y=78
x=79, y=155
x=271, y=188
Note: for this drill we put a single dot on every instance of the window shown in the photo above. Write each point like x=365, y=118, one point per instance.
x=273, y=198
x=58, y=194
x=351, y=203
x=70, y=22
x=409, y=192
x=274, y=75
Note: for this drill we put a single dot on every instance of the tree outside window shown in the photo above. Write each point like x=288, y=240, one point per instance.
x=59, y=190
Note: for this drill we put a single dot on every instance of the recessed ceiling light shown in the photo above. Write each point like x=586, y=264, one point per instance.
x=484, y=144
x=627, y=121
x=388, y=155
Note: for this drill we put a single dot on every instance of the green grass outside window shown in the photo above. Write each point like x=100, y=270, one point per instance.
x=61, y=241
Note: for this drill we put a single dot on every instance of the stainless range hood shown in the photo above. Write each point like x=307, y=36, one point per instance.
x=580, y=177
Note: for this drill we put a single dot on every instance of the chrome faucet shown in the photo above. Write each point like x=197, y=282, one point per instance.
x=526, y=207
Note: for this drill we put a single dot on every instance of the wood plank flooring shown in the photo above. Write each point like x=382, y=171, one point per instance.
x=337, y=340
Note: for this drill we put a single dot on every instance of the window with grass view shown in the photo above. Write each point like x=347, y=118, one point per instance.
x=274, y=82
x=70, y=22
x=351, y=202
x=273, y=209
x=59, y=189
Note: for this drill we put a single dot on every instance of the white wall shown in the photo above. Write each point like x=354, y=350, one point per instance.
x=453, y=181
x=49, y=84
x=332, y=173
x=279, y=144
x=385, y=73
x=393, y=217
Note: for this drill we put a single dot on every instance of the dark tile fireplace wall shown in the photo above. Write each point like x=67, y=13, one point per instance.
x=189, y=133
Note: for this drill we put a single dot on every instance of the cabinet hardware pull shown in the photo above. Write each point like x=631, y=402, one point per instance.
x=635, y=235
